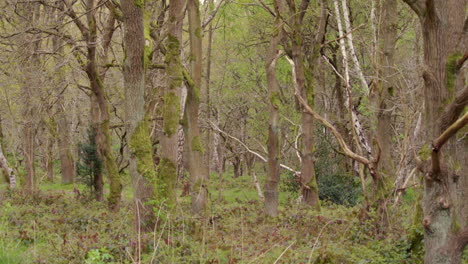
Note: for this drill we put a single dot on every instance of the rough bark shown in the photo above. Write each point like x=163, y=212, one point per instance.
x=309, y=188
x=29, y=105
x=67, y=164
x=273, y=173
x=97, y=87
x=98, y=178
x=171, y=103
x=197, y=166
x=445, y=214
x=141, y=167
x=386, y=86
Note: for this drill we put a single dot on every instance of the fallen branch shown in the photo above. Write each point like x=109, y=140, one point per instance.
x=216, y=128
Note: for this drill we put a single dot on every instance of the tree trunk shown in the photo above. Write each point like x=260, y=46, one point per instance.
x=196, y=163
x=67, y=164
x=273, y=173
x=167, y=173
x=29, y=107
x=237, y=166
x=386, y=86
x=98, y=181
x=381, y=97
x=97, y=86
x=309, y=188
x=445, y=214
x=8, y=171
x=50, y=159
x=141, y=168
x=206, y=100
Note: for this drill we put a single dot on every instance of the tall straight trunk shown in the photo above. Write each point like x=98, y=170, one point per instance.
x=141, y=167
x=67, y=164
x=385, y=90
x=309, y=188
x=205, y=95
x=273, y=173
x=30, y=91
x=167, y=173
x=50, y=158
x=97, y=86
x=98, y=178
x=386, y=87
x=28, y=147
x=445, y=214
x=197, y=166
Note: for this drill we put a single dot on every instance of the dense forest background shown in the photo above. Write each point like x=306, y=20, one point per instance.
x=233, y=131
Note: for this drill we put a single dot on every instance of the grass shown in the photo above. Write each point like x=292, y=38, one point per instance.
x=56, y=226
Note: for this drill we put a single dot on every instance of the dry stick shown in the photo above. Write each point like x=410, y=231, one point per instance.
x=154, y=234
x=284, y=251
x=316, y=240
x=266, y=251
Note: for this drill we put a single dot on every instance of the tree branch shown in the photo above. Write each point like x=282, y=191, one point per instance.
x=416, y=5
x=216, y=128
x=449, y=132
x=213, y=14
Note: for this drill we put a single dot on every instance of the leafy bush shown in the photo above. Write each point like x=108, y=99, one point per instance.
x=334, y=182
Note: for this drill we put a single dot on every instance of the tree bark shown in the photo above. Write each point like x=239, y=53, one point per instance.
x=64, y=143
x=8, y=171
x=445, y=215
x=273, y=173
x=141, y=167
x=198, y=168
x=166, y=171
x=386, y=86
x=97, y=87
x=309, y=188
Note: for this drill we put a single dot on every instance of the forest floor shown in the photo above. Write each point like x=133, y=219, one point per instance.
x=58, y=225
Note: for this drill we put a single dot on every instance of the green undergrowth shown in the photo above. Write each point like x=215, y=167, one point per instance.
x=57, y=225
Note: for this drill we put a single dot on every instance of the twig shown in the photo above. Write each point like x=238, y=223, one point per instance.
x=284, y=251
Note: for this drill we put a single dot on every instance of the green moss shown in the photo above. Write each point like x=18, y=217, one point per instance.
x=455, y=226
x=171, y=113
x=139, y=3
x=425, y=153
x=197, y=144
x=275, y=99
x=198, y=32
x=451, y=71
x=164, y=187
x=140, y=146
